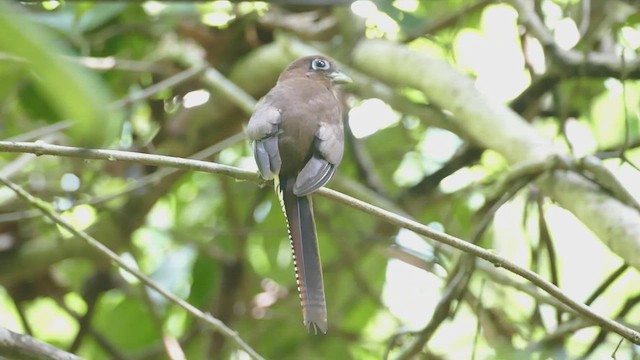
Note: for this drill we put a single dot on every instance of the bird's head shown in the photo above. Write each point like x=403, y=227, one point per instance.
x=316, y=67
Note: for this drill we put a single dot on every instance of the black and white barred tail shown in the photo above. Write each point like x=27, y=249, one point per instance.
x=298, y=212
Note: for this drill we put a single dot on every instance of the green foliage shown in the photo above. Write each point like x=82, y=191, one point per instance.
x=222, y=244
x=116, y=311
x=71, y=91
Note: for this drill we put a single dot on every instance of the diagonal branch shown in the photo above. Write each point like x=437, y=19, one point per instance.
x=18, y=346
x=494, y=126
x=488, y=255
x=208, y=319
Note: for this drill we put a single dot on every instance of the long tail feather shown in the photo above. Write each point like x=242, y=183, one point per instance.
x=306, y=256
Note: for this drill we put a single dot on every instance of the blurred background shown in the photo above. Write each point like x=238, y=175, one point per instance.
x=181, y=79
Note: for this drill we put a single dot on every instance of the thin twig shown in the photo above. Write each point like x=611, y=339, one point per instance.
x=478, y=324
x=546, y=242
x=601, y=175
x=488, y=255
x=38, y=133
x=613, y=355
x=572, y=63
x=566, y=328
x=22, y=315
x=139, y=183
x=625, y=108
x=431, y=26
x=111, y=350
x=42, y=148
x=172, y=348
x=159, y=86
x=453, y=291
x=219, y=82
x=606, y=283
x=392, y=218
x=627, y=307
x=206, y=318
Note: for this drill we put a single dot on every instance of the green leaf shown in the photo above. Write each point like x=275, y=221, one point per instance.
x=73, y=91
x=117, y=316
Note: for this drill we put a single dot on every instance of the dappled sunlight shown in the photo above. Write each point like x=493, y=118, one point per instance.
x=195, y=98
x=493, y=54
x=378, y=23
x=411, y=293
x=370, y=116
x=134, y=222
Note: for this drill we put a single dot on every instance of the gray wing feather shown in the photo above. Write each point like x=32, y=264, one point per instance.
x=322, y=165
x=267, y=157
x=263, y=130
x=330, y=142
x=315, y=173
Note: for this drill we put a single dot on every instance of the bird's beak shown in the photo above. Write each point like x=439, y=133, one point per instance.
x=339, y=78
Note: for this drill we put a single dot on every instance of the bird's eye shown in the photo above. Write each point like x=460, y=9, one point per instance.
x=320, y=64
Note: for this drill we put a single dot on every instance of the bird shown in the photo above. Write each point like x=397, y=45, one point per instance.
x=298, y=141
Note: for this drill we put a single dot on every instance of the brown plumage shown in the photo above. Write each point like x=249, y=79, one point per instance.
x=298, y=141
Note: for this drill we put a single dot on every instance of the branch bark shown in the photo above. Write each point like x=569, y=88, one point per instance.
x=206, y=318
x=19, y=346
x=497, y=127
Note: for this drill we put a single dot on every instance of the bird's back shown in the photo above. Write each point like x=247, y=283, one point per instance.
x=296, y=137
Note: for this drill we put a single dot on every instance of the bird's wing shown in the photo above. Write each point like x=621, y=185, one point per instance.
x=328, y=150
x=263, y=131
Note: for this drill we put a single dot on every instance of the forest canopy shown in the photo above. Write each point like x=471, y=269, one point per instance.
x=487, y=205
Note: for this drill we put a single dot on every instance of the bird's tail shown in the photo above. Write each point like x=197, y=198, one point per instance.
x=306, y=256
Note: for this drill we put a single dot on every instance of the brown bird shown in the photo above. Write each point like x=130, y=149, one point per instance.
x=298, y=140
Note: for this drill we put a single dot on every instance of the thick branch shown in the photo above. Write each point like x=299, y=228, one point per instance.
x=19, y=346
x=497, y=127
x=571, y=62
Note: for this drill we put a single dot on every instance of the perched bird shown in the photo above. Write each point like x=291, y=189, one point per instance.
x=298, y=140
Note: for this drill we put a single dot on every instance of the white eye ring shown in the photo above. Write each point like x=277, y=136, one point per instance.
x=320, y=64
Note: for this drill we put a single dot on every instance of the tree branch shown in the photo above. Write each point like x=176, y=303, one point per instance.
x=571, y=62
x=497, y=127
x=152, y=90
x=42, y=148
x=208, y=319
x=394, y=219
x=19, y=346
